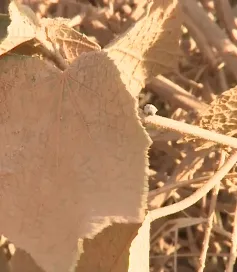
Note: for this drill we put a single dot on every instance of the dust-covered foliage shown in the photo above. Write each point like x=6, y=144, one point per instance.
x=94, y=146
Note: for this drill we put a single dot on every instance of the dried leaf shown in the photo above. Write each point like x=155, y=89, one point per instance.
x=140, y=247
x=150, y=47
x=70, y=144
x=220, y=116
x=109, y=250
x=73, y=152
x=69, y=42
x=31, y=47
x=23, y=27
x=119, y=248
x=59, y=40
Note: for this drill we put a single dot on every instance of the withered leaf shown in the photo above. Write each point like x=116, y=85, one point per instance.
x=69, y=42
x=118, y=248
x=31, y=47
x=53, y=34
x=220, y=116
x=140, y=248
x=73, y=153
x=149, y=47
x=109, y=249
x=23, y=27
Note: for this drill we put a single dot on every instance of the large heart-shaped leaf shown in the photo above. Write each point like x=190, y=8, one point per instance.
x=73, y=153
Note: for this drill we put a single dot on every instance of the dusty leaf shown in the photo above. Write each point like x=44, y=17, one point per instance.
x=31, y=47
x=140, y=247
x=72, y=154
x=23, y=27
x=118, y=248
x=57, y=38
x=220, y=116
x=109, y=250
x=69, y=42
x=149, y=47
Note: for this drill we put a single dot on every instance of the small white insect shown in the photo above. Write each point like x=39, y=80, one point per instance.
x=150, y=109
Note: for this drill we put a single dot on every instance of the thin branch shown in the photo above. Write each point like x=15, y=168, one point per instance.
x=225, y=15
x=189, y=81
x=189, y=201
x=174, y=224
x=176, y=237
x=174, y=93
x=52, y=52
x=186, y=255
x=201, y=41
x=192, y=162
x=222, y=79
x=233, y=250
x=211, y=214
x=208, y=95
x=192, y=130
x=171, y=186
x=214, y=35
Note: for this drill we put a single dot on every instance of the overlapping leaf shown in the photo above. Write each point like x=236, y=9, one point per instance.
x=53, y=34
x=150, y=47
x=72, y=157
x=69, y=42
x=220, y=116
x=73, y=154
x=118, y=248
x=23, y=27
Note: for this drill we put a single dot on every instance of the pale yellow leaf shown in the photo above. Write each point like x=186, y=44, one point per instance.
x=151, y=46
x=70, y=43
x=118, y=248
x=22, y=28
x=73, y=155
x=140, y=248
x=109, y=250
x=220, y=116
